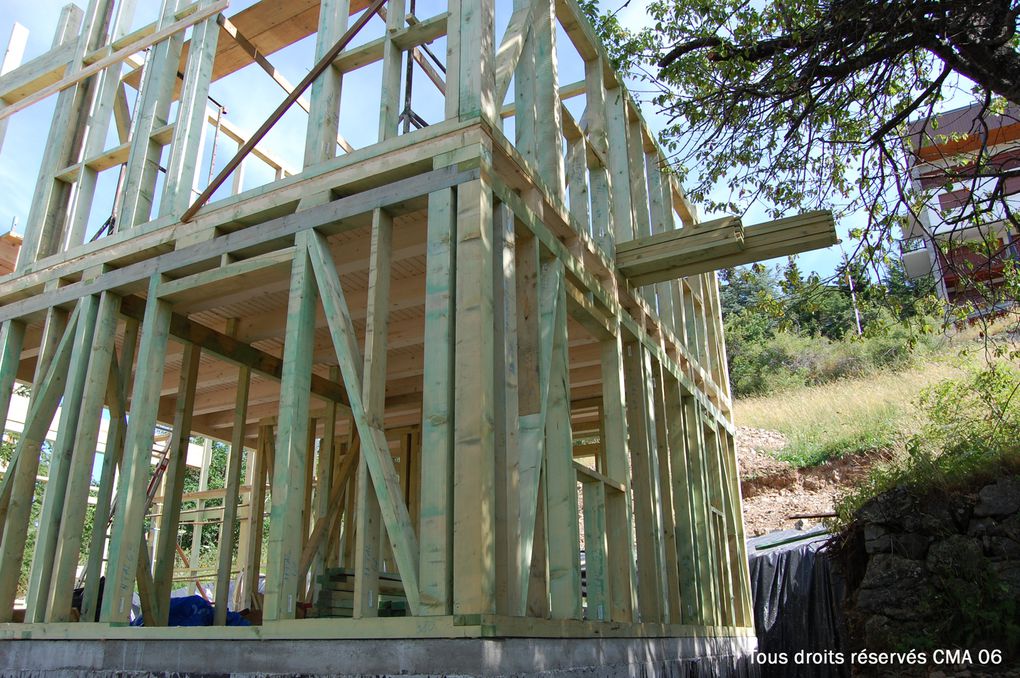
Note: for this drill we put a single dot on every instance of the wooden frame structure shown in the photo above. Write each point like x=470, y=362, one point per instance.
x=423, y=346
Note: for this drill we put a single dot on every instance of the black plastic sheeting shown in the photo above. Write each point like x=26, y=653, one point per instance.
x=798, y=604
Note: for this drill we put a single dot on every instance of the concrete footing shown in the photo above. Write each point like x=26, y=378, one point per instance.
x=553, y=658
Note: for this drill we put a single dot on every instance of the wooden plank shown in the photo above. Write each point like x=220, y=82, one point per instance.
x=118, y=56
x=105, y=109
x=641, y=430
x=684, y=525
x=542, y=290
x=512, y=46
x=374, y=395
x=473, y=73
x=256, y=518
x=374, y=447
x=286, y=527
x=699, y=510
x=420, y=33
x=560, y=478
x=152, y=112
x=68, y=547
x=665, y=420
x=389, y=97
x=321, y=65
x=233, y=481
x=126, y=537
x=19, y=483
x=547, y=100
x=436, y=527
x=45, y=222
x=324, y=108
x=619, y=165
x=335, y=212
x=474, y=473
x=596, y=566
x=506, y=405
x=189, y=131
x=166, y=547
x=116, y=398
x=60, y=462
x=12, y=339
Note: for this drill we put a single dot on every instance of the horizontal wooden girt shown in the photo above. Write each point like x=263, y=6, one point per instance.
x=721, y=243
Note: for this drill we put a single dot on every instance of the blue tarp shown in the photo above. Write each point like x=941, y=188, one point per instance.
x=194, y=611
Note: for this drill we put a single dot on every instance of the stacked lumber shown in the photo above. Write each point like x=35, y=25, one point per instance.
x=336, y=595
x=721, y=243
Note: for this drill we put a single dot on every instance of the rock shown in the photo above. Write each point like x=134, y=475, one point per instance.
x=981, y=527
x=956, y=557
x=999, y=499
x=895, y=587
x=878, y=540
x=1008, y=574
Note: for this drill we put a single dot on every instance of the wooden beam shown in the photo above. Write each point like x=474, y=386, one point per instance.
x=126, y=538
x=114, y=58
x=436, y=530
x=68, y=547
x=374, y=447
x=233, y=482
x=166, y=547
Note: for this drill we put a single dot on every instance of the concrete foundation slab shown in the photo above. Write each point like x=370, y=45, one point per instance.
x=607, y=657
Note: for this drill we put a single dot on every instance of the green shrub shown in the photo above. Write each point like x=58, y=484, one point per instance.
x=971, y=433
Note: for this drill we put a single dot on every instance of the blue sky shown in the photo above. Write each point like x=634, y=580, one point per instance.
x=250, y=96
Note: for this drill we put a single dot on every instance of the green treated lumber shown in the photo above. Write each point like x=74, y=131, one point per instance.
x=19, y=483
x=374, y=447
x=474, y=428
x=472, y=74
x=152, y=113
x=683, y=520
x=186, y=148
x=69, y=539
x=525, y=101
x=700, y=511
x=643, y=445
x=533, y=425
x=507, y=406
x=324, y=107
x=12, y=339
x=233, y=481
x=256, y=517
x=596, y=565
x=619, y=165
x=369, y=511
x=389, y=98
x=173, y=479
x=43, y=227
x=335, y=214
x=127, y=534
x=436, y=529
x=665, y=419
x=511, y=47
x=783, y=237
x=286, y=528
x=116, y=399
x=105, y=107
x=561, y=479
x=549, y=127
x=60, y=460
x=619, y=531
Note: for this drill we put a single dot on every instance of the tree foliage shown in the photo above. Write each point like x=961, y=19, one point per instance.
x=808, y=104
